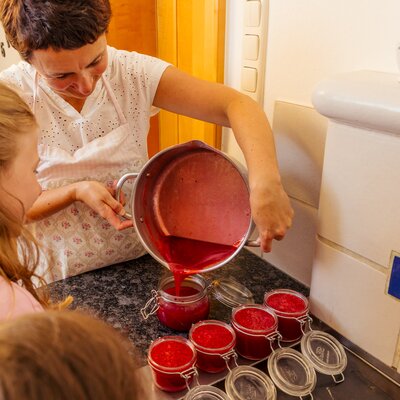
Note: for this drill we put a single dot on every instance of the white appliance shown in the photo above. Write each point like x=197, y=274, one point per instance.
x=344, y=242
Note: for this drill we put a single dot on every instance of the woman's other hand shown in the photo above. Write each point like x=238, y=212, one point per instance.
x=100, y=199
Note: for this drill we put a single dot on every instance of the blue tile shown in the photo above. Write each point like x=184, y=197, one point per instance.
x=394, y=281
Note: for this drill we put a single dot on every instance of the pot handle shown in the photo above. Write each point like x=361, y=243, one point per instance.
x=253, y=243
x=120, y=183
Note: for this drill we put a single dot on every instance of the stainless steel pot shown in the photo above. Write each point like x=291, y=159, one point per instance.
x=190, y=191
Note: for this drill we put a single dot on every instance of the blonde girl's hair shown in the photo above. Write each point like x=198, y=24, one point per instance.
x=19, y=253
x=65, y=355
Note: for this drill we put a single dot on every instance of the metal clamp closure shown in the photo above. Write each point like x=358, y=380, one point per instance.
x=228, y=356
x=308, y=395
x=303, y=322
x=272, y=337
x=209, y=287
x=190, y=373
x=338, y=378
x=151, y=304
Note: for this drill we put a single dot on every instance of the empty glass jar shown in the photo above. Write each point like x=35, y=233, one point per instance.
x=247, y=382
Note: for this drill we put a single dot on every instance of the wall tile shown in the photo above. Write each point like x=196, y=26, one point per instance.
x=294, y=254
x=350, y=297
x=300, y=139
x=359, y=203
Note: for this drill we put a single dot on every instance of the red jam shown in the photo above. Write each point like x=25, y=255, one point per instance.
x=288, y=306
x=212, y=336
x=187, y=257
x=183, y=291
x=287, y=303
x=252, y=323
x=172, y=354
x=180, y=312
x=254, y=319
x=212, y=340
x=168, y=357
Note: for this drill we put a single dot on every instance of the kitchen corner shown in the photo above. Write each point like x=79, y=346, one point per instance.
x=118, y=292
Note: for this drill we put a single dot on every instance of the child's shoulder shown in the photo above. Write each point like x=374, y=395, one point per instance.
x=15, y=301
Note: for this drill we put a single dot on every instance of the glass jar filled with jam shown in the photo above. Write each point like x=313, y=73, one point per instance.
x=172, y=360
x=292, y=309
x=256, y=328
x=179, y=308
x=214, y=342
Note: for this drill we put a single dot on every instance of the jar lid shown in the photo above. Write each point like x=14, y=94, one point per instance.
x=206, y=392
x=324, y=352
x=247, y=382
x=231, y=293
x=292, y=372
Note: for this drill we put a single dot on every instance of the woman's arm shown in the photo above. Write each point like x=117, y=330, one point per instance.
x=98, y=197
x=212, y=102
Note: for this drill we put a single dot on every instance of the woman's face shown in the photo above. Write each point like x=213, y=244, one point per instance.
x=72, y=73
x=18, y=181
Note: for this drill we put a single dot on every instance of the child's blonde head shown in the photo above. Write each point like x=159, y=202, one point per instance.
x=64, y=355
x=16, y=119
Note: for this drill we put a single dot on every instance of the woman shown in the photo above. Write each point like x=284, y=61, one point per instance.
x=94, y=103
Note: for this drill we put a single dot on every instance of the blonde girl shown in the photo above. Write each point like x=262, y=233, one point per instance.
x=19, y=189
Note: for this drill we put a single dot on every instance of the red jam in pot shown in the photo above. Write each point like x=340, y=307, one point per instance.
x=168, y=357
x=252, y=324
x=186, y=257
x=288, y=305
x=212, y=340
x=192, y=304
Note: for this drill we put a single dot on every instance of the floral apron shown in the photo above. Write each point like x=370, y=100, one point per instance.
x=77, y=238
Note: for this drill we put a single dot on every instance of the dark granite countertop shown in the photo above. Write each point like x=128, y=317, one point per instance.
x=118, y=292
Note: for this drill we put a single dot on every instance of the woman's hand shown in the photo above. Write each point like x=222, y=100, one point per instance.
x=271, y=212
x=100, y=199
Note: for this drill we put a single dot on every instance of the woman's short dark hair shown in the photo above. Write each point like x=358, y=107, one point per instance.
x=58, y=24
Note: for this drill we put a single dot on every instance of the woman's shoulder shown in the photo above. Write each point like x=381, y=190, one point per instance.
x=16, y=301
x=19, y=75
x=131, y=62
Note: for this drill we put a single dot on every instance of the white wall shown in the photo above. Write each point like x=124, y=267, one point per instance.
x=8, y=55
x=309, y=40
x=312, y=39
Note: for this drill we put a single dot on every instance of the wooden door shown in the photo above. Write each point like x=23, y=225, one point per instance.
x=191, y=35
x=187, y=33
x=133, y=27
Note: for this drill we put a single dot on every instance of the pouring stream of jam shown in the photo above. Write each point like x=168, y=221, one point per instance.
x=187, y=256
